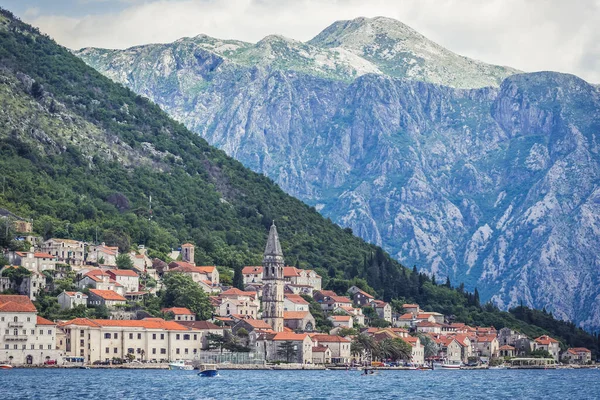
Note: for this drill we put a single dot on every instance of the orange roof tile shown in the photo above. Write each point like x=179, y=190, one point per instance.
x=177, y=311
x=289, y=336
x=147, y=323
x=44, y=321
x=295, y=314
x=296, y=299
x=16, y=303
x=110, y=295
x=43, y=255
x=122, y=272
x=545, y=340
x=329, y=338
x=340, y=318
x=252, y=270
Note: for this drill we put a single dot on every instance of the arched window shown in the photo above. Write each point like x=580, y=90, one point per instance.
x=16, y=319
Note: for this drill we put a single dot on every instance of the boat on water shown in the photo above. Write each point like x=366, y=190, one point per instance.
x=450, y=366
x=5, y=366
x=208, y=370
x=498, y=367
x=180, y=365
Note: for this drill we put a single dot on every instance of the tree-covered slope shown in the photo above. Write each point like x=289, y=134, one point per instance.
x=81, y=155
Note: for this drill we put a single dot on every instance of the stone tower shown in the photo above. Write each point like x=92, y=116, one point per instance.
x=273, y=286
x=187, y=253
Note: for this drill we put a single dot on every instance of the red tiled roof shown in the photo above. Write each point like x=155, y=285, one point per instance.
x=148, y=323
x=506, y=347
x=258, y=324
x=406, y=316
x=43, y=255
x=237, y=292
x=200, y=325
x=295, y=314
x=16, y=303
x=289, y=336
x=427, y=324
x=44, y=321
x=545, y=340
x=187, y=245
x=177, y=311
x=290, y=271
x=367, y=295
x=122, y=272
x=340, y=299
x=110, y=295
x=252, y=270
x=320, y=349
x=329, y=338
x=410, y=305
x=580, y=350
x=83, y=295
x=296, y=299
x=340, y=318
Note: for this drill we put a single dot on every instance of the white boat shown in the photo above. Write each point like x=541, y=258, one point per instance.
x=5, y=366
x=450, y=366
x=498, y=367
x=180, y=365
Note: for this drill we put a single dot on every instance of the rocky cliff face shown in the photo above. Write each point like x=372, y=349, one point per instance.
x=497, y=186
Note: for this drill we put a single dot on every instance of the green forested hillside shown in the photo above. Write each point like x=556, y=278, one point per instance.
x=82, y=155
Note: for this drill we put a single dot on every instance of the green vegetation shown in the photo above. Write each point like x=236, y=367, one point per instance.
x=182, y=291
x=288, y=350
x=65, y=176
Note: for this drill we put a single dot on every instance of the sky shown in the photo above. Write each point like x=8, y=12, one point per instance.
x=530, y=35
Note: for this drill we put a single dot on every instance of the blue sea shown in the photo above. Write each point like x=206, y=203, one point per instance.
x=295, y=385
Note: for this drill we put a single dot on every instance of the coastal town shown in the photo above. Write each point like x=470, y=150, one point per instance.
x=281, y=316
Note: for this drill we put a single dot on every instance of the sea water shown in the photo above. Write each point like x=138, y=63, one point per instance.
x=79, y=384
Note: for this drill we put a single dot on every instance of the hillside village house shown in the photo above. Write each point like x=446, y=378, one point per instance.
x=342, y=321
x=141, y=261
x=236, y=302
x=30, y=286
x=549, y=344
x=339, y=346
x=147, y=339
x=411, y=309
x=360, y=297
x=487, y=346
x=66, y=250
x=127, y=278
x=252, y=275
x=101, y=280
x=107, y=298
x=355, y=313
x=268, y=344
x=577, y=355
x=506, y=351
x=321, y=355
x=418, y=350
x=25, y=338
x=103, y=255
x=299, y=320
x=383, y=310
x=294, y=302
x=428, y=327
x=179, y=313
x=333, y=302
x=208, y=275
x=33, y=261
x=68, y=300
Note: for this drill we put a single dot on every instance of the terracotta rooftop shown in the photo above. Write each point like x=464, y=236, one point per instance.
x=252, y=270
x=110, y=295
x=296, y=299
x=44, y=321
x=16, y=303
x=201, y=325
x=545, y=340
x=340, y=318
x=122, y=272
x=177, y=311
x=289, y=336
x=147, y=323
x=295, y=314
x=329, y=338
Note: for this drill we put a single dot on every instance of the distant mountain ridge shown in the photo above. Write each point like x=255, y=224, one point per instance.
x=466, y=170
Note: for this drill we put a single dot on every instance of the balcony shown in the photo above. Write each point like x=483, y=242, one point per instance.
x=15, y=324
x=15, y=337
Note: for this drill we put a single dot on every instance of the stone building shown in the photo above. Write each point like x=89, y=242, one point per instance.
x=273, y=289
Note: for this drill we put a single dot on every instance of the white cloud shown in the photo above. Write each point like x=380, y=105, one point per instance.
x=529, y=35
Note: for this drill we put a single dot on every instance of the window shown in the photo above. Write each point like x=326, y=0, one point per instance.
x=6, y=331
x=130, y=350
x=24, y=346
x=25, y=332
x=50, y=347
x=6, y=346
x=131, y=336
x=16, y=346
x=107, y=336
x=177, y=351
x=186, y=337
x=195, y=336
x=139, y=336
x=116, y=335
x=16, y=319
x=177, y=337
x=49, y=331
x=41, y=346
x=185, y=350
x=33, y=331
x=153, y=351
x=33, y=347
x=115, y=350
x=107, y=350
x=81, y=333
x=163, y=351
x=154, y=336
x=81, y=343
x=2, y=319
x=42, y=332
x=28, y=319
x=162, y=336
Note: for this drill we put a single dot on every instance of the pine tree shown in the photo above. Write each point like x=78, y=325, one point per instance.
x=476, y=301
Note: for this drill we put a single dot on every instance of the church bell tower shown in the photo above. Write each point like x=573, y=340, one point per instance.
x=272, y=298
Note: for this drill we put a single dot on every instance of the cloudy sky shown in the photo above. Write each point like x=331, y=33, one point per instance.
x=531, y=35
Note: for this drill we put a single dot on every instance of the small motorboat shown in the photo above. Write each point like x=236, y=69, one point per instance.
x=450, y=366
x=208, y=370
x=502, y=366
x=180, y=365
x=5, y=366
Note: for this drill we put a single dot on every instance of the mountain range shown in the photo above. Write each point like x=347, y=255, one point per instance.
x=476, y=172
